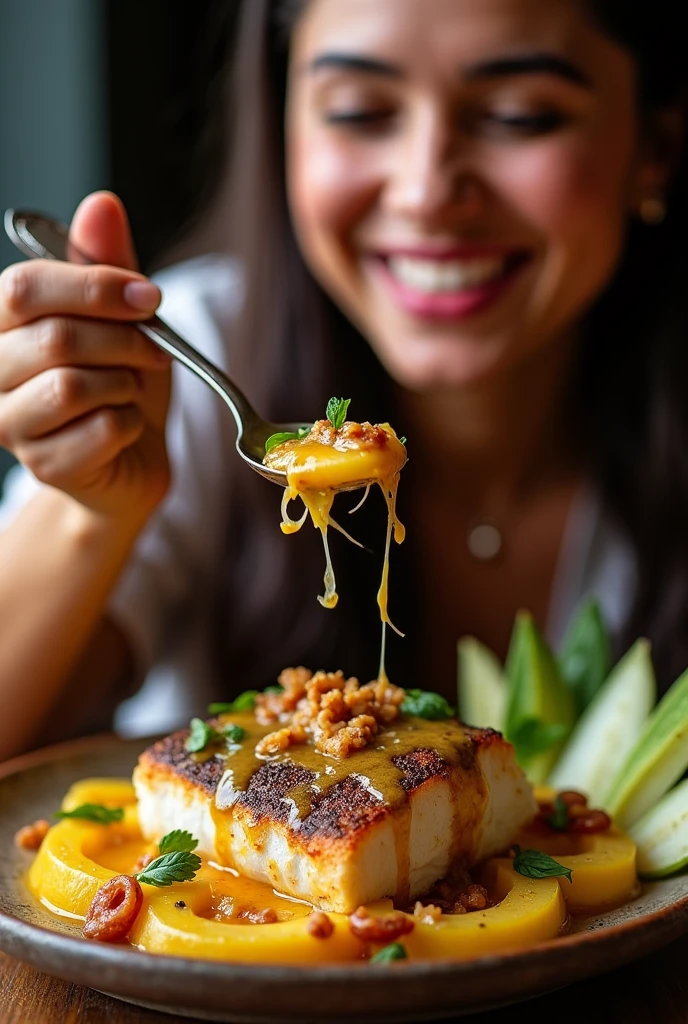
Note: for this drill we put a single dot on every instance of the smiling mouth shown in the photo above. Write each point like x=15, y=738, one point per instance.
x=450, y=276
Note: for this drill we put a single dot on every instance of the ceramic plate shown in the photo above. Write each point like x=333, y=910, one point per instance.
x=408, y=991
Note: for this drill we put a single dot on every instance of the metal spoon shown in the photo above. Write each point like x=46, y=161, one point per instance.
x=42, y=238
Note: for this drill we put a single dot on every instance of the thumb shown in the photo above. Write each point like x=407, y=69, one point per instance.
x=100, y=229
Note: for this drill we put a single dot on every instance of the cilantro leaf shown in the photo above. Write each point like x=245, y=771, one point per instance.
x=395, y=951
x=234, y=733
x=96, y=813
x=180, y=866
x=560, y=819
x=534, y=864
x=337, y=409
x=201, y=736
x=244, y=702
x=177, y=842
x=425, y=704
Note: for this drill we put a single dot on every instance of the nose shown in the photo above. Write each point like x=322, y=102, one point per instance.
x=431, y=175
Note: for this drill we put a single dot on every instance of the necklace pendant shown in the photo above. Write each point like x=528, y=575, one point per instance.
x=484, y=541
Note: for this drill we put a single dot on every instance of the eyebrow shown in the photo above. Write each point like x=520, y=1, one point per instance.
x=529, y=64
x=500, y=67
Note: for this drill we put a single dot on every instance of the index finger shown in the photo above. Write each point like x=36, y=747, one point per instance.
x=41, y=288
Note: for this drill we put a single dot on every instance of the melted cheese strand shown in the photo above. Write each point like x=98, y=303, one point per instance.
x=289, y=525
x=361, y=502
x=330, y=597
x=331, y=522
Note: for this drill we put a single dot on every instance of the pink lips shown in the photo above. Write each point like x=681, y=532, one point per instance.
x=458, y=305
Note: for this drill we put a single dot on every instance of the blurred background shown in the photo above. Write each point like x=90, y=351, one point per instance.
x=117, y=94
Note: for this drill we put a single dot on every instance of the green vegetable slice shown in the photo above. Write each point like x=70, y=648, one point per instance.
x=609, y=728
x=540, y=710
x=656, y=762
x=585, y=659
x=482, y=687
x=661, y=835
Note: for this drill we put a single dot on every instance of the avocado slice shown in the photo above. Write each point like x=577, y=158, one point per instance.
x=541, y=709
x=657, y=760
x=481, y=685
x=661, y=835
x=609, y=728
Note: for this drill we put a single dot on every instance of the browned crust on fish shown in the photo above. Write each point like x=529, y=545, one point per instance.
x=340, y=813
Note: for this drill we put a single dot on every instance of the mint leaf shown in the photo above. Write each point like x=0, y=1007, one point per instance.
x=559, y=821
x=336, y=411
x=244, y=702
x=303, y=431
x=96, y=813
x=424, y=704
x=234, y=733
x=534, y=864
x=177, y=842
x=395, y=951
x=275, y=439
x=170, y=868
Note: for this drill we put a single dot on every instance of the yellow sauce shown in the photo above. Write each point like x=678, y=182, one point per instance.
x=327, y=461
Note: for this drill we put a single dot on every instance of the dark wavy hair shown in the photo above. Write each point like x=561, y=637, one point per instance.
x=293, y=348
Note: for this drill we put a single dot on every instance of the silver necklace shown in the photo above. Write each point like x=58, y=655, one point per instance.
x=484, y=540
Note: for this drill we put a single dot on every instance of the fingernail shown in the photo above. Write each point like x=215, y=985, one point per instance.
x=142, y=295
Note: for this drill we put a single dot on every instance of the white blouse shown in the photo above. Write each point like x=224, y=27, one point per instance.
x=163, y=601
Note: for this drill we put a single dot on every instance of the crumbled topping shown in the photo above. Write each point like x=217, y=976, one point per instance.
x=349, y=435
x=429, y=914
x=339, y=714
x=319, y=925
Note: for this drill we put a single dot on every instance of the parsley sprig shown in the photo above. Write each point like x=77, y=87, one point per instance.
x=203, y=735
x=96, y=813
x=425, y=704
x=178, y=841
x=534, y=864
x=176, y=862
x=246, y=701
x=395, y=951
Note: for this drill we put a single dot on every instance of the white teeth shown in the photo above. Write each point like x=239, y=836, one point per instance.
x=426, y=275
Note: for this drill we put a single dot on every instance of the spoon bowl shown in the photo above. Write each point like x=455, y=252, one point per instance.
x=40, y=237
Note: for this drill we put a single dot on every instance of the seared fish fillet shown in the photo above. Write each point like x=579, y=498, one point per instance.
x=351, y=846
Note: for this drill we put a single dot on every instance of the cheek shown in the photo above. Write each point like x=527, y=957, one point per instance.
x=331, y=187
x=568, y=191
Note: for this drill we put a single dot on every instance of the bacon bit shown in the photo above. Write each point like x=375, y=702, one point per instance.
x=114, y=909
x=144, y=860
x=339, y=714
x=267, y=916
x=474, y=898
x=589, y=822
x=30, y=837
x=572, y=798
x=319, y=925
x=387, y=928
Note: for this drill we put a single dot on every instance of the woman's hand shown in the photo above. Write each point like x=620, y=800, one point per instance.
x=83, y=394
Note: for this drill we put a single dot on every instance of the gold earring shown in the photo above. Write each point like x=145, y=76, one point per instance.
x=652, y=210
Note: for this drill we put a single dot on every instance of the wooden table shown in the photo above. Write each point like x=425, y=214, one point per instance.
x=651, y=991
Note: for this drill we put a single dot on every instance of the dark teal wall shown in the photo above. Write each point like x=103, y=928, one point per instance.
x=53, y=124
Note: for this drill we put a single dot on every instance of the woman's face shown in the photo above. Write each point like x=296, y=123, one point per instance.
x=460, y=173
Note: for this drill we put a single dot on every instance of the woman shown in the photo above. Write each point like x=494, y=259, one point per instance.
x=476, y=235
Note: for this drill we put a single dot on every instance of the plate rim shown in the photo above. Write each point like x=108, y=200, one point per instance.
x=42, y=946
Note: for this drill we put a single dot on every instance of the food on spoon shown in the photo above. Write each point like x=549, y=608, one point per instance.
x=336, y=796
x=340, y=455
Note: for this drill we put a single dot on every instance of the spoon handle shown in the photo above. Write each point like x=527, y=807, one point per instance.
x=43, y=238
